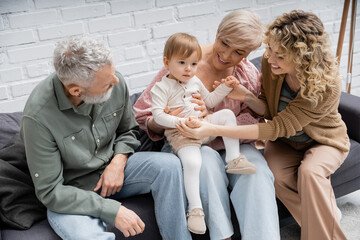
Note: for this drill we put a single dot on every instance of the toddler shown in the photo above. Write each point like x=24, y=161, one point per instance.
x=182, y=52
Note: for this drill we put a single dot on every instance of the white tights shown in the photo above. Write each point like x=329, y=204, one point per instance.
x=190, y=157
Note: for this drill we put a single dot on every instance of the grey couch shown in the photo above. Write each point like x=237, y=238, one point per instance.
x=20, y=210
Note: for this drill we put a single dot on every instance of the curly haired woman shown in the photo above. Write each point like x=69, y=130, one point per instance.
x=300, y=92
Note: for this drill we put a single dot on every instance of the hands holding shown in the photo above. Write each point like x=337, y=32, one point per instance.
x=193, y=122
x=239, y=91
x=194, y=128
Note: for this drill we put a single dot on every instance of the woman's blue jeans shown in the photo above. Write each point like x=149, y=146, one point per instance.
x=252, y=196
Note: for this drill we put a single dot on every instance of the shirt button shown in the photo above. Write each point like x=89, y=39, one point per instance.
x=184, y=96
x=93, y=125
x=114, y=114
x=96, y=152
x=73, y=137
x=36, y=175
x=98, y=140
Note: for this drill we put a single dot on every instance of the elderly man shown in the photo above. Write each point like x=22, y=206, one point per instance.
x=80, y=135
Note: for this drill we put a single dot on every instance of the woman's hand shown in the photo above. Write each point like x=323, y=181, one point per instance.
x=238, y=93
x=159, y=129
x=196, y=133
x=201, y=105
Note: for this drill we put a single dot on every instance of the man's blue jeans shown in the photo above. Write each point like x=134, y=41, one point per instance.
x=156, y=172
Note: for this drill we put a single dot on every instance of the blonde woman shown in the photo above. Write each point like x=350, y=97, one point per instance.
x=300, y=94
x=253, y=196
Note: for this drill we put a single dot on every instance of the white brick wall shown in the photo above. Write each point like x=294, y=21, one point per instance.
x=135, y=30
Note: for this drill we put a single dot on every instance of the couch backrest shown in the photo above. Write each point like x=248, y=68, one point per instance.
x=9, y=125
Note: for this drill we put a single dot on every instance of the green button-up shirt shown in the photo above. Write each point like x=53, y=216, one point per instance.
x=68, y=147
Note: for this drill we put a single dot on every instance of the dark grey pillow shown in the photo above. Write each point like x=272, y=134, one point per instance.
x=19, y=206
x=9, y=126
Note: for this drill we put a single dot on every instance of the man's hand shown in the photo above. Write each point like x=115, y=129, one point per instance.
x=112, y=179
x=128, y=222
x=192, y=122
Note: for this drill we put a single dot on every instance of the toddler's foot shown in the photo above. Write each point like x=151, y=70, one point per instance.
x=240, y=165
x=196, y=221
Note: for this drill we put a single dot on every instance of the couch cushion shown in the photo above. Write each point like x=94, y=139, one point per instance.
x=39, y=231
x=20, y=208
x=9, y=125
x=347, y=178
x=350, y=112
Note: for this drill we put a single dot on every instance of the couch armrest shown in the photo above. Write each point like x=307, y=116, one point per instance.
x=349, y=108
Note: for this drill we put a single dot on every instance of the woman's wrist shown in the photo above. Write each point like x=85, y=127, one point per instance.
x=254, y=103
x=154, y=127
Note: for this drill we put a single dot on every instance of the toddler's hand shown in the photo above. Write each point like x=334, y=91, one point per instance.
x=230, y=81
x=193, y=122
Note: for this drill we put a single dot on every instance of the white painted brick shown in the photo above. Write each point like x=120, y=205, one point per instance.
x=133, y=68
x=17, y=38
x=8, y=6
x=128, y=37
x=233, y=4
x=31, y=53
x=155, y=48
x=153, y=16
x=109, y=23
x=196, y=9
x=11, y=75
x=56, y=3
x=202, y=37
x=163, y=3
x=169, y=29
x=118, y=56
x=61, y=31
x=130, y=6
x=3, y=57
x=207, y=23
x=141, y=80
x=158, y=63
x=278, y=10
x=327, y=15
x=10, y=106
x=39, y=69
x=2, y=27
x=264, y=2
x=81, y=12
x=264, y=14
x=134, y=52
x=32, y=19
x=23, y=89
x=3, y=93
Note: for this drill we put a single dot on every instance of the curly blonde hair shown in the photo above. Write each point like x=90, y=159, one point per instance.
x=301, y=38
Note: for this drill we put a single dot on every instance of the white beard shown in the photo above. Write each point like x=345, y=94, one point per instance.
x=97, y=99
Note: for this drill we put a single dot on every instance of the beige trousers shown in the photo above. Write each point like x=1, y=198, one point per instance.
x=302, y=183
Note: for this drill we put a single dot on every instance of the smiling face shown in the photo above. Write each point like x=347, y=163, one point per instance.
x=225, y=55
x=100, y=90
x=279, y=63
x=182, y=69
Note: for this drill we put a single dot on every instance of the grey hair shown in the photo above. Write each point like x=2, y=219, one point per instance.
x=242, y=29
x=77, y=59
